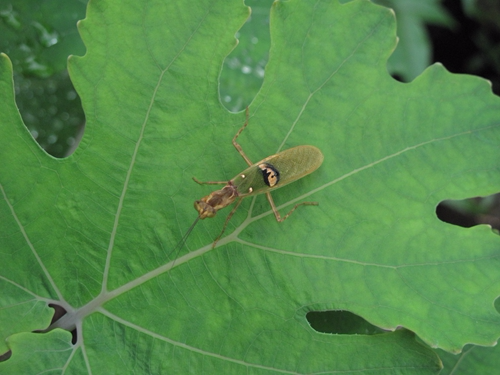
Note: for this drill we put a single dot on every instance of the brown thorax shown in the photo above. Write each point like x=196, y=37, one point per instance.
x=213, y=202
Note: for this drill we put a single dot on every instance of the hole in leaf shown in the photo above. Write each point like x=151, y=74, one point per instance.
x=470, y=212
x=5, y=356
x=340, y=322
x=59, y=312
x=497, y=304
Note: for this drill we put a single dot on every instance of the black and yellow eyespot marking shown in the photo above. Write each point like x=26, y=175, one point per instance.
x=270, y=174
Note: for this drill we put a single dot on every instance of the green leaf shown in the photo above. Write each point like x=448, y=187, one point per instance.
x=473, y=360
x=35, y=354
x=94, y=232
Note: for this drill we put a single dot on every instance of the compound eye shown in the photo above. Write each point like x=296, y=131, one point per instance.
x=270, y=174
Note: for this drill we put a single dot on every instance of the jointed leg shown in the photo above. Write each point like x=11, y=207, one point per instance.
x=209, y=182
x=237, y=146
x=227, y=221
x=276, y=212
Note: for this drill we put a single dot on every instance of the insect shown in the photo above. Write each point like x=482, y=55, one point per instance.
x=262, y=177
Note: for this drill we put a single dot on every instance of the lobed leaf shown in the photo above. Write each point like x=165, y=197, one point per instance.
x=94, y=232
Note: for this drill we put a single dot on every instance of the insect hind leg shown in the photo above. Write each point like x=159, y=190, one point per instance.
x=276, y=212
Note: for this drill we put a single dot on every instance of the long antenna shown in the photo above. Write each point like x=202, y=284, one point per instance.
x=181, y=243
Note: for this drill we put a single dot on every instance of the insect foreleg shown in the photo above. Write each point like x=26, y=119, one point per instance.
x=227, y=221
x=237, y=146
x=276, y=212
